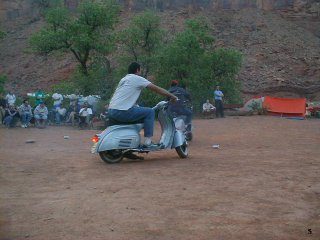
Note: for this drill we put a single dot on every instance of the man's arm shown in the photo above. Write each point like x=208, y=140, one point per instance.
x=161, y=91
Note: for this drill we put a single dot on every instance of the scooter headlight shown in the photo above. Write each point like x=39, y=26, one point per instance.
x=95, y=139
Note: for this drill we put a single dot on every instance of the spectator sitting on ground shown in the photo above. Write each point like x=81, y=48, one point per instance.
x=41, y=115
x=85, y=114
x=57, y=107
x=10, y=98
x=104, y=115
x=73, y=111
x=208, y=108
x=10, y=114
x=25, y=113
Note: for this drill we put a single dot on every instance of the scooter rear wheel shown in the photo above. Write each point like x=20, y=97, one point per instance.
x=182, y=150
x=111, y=156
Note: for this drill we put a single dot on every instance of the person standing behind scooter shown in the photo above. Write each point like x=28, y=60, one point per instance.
x=123, y=108
x=218, y=95
x=179, y=106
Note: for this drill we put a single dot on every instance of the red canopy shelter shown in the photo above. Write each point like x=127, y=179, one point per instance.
x=285, y=107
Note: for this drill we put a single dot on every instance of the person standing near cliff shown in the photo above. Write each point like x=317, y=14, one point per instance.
x=218, y=99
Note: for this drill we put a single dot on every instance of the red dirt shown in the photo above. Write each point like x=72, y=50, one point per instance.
x=263, y=183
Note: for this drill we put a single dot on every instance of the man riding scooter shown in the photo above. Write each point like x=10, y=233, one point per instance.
x=123, y=108
x=179, y=106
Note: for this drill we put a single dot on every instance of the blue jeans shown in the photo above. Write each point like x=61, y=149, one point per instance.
x=135, y=114
x=26, y=117
x=55, y=116
x=8, y=121
x=219, y=108
x=181, y=110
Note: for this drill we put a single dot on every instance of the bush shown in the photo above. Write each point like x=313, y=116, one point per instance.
x=3, y=79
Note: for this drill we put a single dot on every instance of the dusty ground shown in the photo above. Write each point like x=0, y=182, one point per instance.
x=263, y=183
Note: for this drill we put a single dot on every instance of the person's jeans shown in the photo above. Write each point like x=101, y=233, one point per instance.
x=135, y=114
x=8, y=121
x=219, y=108
x=40, y=117
x=26, y=117
x=181, y=110
x=55, y=116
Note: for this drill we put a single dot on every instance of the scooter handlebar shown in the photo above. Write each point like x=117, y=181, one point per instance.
x=160, y=104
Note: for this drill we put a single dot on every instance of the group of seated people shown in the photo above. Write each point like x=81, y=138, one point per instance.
x=24, y=113
x=10, y=114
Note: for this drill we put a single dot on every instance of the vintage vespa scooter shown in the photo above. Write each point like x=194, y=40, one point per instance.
x=117, y=141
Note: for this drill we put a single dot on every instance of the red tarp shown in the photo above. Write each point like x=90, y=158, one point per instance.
x=285, y=107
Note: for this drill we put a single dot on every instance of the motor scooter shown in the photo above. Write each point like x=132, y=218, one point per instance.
x=180, y=121
x=117, y=141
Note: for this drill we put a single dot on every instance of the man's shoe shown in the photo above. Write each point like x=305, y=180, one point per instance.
x=151, y=146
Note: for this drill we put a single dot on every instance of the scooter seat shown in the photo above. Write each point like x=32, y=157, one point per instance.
x=115, y=122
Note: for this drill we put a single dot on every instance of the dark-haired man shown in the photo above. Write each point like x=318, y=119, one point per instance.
x=25, y=113
x=41, y=115
x=123, y=106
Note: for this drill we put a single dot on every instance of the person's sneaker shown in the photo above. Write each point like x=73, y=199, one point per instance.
x=151, y=146
x=23, y=126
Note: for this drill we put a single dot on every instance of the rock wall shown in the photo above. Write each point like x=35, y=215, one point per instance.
x=12, y=9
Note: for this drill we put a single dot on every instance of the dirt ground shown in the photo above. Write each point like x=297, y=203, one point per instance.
x=263, y=183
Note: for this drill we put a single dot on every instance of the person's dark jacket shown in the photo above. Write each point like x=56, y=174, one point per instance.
x=181, y=93
x=11, y=112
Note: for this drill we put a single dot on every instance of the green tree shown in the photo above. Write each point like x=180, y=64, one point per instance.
x=141, y=40
x=2, y=35
x=85, y=34
x=3, y=79
x=192, y=59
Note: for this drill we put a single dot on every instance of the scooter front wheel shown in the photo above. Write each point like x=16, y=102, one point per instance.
x=188, y=136
x=182, y=150
x=111, y=156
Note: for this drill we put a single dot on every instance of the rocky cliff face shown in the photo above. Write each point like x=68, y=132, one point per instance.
x=281, y=46
x=12, y=9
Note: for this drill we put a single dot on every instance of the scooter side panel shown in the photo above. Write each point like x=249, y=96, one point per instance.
x=120, y=137
x=178, y=139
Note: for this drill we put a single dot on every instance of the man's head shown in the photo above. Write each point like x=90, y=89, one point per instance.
x=218, y=87
x=25, y=102
x=174, y=83
x=208, y=101
x=134, y=68
x=42, y=104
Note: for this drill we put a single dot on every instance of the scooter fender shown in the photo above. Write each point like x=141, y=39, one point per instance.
x=120, y=137
x=178, y=139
